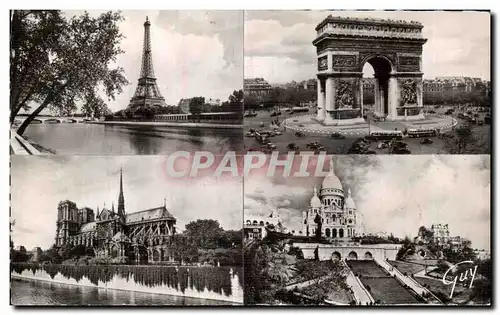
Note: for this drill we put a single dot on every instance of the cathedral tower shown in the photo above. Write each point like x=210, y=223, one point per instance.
x=147, y=92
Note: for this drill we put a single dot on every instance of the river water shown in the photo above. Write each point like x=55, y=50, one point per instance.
x=95, y=139
x=36, y=292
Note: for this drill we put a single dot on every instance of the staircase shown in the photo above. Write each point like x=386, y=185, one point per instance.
x=361, y=295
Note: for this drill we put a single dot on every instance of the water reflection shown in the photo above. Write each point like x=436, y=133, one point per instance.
x=47, y=293
x=91, y=139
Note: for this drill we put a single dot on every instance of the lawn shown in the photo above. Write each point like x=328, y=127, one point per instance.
x=406, y=267
x=366, y=268
x=388, y=290
x=460, y=294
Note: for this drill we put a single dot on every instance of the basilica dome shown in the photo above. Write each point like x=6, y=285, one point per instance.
x=315, y=202
x=331, y=181
x=349, y=202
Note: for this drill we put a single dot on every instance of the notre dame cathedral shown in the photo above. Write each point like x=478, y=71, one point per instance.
x=143, y=237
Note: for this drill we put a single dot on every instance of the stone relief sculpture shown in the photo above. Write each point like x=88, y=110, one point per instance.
x=408, y=92
x=344, y=97
x=323, y=63
x=344, y=61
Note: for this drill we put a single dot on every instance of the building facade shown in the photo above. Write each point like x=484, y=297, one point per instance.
x=332, y=211
x=257, y=87
x=255, y=226
x=142, y=237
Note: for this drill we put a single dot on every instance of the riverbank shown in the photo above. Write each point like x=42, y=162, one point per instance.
x=20, y=145
x=216, y=283
x=168, y=124
x=45, y=293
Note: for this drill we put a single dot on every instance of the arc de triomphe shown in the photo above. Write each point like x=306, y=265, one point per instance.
x=393, y=48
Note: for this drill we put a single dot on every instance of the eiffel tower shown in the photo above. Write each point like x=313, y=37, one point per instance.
x=147, y=92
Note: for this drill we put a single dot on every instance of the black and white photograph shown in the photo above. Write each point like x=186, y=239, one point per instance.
x=225, y=157
x=367, y=82
x=376, y=230
x=125, y=82
x=118, y=231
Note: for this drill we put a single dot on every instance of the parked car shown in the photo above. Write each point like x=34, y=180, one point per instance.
x=399, y=145
x=254, y=149
x=271, y=146
x=316, y=146
x=382, y=145
x=299, y=134
x=337, y=135
x=292, y=147
x=426, y=141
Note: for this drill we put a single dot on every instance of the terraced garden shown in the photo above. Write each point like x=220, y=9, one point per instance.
x=383, y=288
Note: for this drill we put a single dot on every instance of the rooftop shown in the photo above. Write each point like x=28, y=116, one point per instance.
x=371, y=21
x=150, y=214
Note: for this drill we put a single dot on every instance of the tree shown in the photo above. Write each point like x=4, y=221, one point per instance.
x=461, y=141
x=230, y=239
x=251, y=101
x=203, y=234
x=182, y=249
x=19, y=255
x=95, y=107
x=407, y=249
x=425, y=233
x=33, y=33
x=235, y=101
x=319, y=222
x=196, y=105
x=58, y=62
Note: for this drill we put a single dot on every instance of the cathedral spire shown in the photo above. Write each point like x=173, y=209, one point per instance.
x=121, y=199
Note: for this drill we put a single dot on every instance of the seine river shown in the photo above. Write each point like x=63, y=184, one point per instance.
x=24, y=293
x=94, y=139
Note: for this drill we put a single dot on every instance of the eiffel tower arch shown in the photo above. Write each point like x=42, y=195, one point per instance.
x=147, y=92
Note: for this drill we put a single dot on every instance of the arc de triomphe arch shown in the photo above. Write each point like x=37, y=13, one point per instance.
x=393, y=48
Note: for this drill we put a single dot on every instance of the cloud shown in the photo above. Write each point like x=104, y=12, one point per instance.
x=394, y=194
x=278, y=44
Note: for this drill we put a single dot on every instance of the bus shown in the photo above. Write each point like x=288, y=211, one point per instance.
x=385, y=135
x=262, y=136
x=416, y=133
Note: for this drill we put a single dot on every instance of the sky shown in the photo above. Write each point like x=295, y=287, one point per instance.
x=195, y=53
x=39, y=183
x=389, y=192
x=278, y=44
